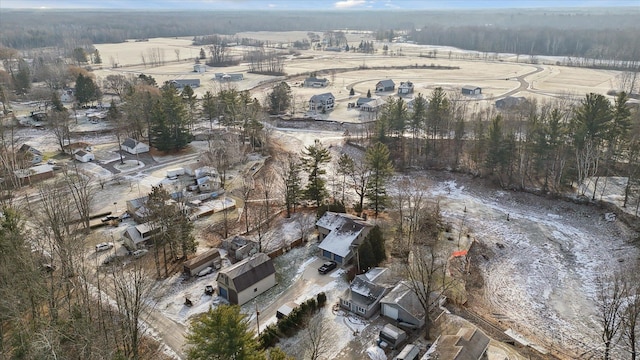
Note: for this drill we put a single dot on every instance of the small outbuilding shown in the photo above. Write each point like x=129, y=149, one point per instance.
x=246, y=279
x=133, y=146
x=84, y=156
x=181, y=83
x=199, y=68
x=471, y=90
x=210, y=258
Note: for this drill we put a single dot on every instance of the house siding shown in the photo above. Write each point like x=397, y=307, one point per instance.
x=403, y=315
x=260, y=287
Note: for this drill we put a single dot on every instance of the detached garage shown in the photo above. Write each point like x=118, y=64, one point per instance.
x=84, y=156
x=246, y=279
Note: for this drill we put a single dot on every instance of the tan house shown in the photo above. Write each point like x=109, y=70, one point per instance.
x=246, y=279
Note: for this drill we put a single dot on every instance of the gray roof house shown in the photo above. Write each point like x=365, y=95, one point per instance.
x=510, y=101
x=229, y=77
x=339, y=236
x=373, y=106
x=363, y=100
x=133, y=146
x=321, y=102
x=315, y=82
x=402, y=305
x=471, y=90
x=30, y=153
x=385, y=85
x=469, y=343
x=365, y=292
x=181, y=83
x=246, y=279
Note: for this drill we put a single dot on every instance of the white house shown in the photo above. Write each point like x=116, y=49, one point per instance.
x=246, y=279
x=84, y=156
x=406, y=87
x=199, y=68
x=340, y=235
x=134, y=146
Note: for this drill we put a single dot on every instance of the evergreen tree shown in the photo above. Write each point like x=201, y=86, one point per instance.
x=376, y=238
x=79, y=55
x=314, y=157
x=22, y=79
x=280, y=99
x=169, y=121
x=438, y=113
x=379, y=164
x=352, y=92
x=222, y=333
x=369, y=93
x=96, y=57
x=86, y=90
x=203, y=55
x=366, y=259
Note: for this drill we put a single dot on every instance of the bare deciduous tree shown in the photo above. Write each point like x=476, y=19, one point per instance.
x=316, y=342
x=610, y=294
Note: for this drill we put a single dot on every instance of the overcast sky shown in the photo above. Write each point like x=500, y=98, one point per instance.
x=310, y=4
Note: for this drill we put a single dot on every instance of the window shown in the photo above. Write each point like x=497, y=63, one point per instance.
x=346, y=303
x=255, y=290
x=360, y=309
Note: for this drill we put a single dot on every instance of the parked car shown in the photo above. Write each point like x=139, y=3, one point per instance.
x=104, y=246
x=140, y=253
x=206, y=271
x=326, y=267
x=208, y=290
x=51, y=162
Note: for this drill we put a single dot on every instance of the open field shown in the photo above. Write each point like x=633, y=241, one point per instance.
x=497, y=77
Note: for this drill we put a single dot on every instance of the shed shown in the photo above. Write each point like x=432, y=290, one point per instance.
x=199, y=68
x=210, y=258
x=84, y=156
x=471, y=90
x=246, y=279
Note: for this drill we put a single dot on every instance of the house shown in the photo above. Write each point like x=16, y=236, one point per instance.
x=133, y=146
x=207, y=183
x=406, y=87
x=321, y=102
x=228, y=77
x=76, y=146
x=199, y=68
x=340, y=235
x=34, y=174
x=373, y=106
x=471, y=90
x=365, y=292
x=510, y=102
x=363, y=100
x=315, y=82
x=210, y=258
x=84, y=156
x=385, y=85
x=239, y=248
x=402, y=305
x=246, y=279
x=135, y=236
x=470, y=343
x=29, y=153
x=181, y=83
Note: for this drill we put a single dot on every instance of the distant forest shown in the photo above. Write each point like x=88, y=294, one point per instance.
x=598, y=33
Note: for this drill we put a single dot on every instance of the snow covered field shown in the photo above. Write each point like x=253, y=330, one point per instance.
x=540, y=261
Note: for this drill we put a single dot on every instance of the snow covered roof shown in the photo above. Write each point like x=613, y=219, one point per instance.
x=467, y=344
x=403, y=296
x=344, y=230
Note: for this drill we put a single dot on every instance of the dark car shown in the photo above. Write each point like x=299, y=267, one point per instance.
x=208, y=290
x=326, y=267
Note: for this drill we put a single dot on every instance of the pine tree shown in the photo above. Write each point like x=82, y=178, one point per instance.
x=280, y=99
x=369, y=93
x=352, y=92
x=22, y=79
x=222, y=333
x=379, y=164
x=314, y=157
x=292, y=184
x=169, y=121
x=203, y=55
x=96, y=57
